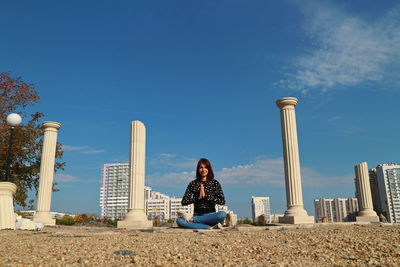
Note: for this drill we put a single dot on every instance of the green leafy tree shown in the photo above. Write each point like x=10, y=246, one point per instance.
x=16, y=96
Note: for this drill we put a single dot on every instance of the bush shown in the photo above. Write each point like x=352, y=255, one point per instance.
x=245, y=221
x=84, y=219
x=111, y=223
x=65, y=220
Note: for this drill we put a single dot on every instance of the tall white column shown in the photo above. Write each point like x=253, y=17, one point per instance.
x=295, y=214
x=46, y=173
x=136, y=217
x=7, y=217
x=366, y=211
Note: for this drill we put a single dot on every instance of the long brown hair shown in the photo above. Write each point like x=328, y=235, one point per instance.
x=207, y=164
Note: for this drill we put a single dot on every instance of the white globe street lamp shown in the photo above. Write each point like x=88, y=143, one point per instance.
x=14, y=119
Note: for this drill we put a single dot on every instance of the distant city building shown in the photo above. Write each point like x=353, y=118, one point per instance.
x=166, y=208
x=385, y=189
x=157, y=195
x=222, y=208
x=158, y=207
x=147, y=193
x=260, y=206
x=175, y=206
x=114, y=190
x=274, y=218
x=335, y=209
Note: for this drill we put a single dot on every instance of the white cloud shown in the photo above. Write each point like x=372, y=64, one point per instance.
x=348, y=50
x=82, y=149
x=73, y=148
x=67, y=178
x=64, y=178
x=172, y=179
x=335, y=118
x=167, y=155
x=313, y=178
x=93, y=151
x=262, y=171
x=266, y=172
x=173, y=161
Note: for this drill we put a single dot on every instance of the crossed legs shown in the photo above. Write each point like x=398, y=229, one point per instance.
x=203, y=221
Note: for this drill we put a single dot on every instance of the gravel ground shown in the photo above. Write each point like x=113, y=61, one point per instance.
x=317, y=245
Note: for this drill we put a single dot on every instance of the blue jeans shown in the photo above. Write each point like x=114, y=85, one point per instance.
x=203, y=221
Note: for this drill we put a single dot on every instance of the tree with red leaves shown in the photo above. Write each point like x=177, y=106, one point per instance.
x=16, y=96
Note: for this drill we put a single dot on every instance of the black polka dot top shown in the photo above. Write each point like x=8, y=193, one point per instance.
x=214, y=195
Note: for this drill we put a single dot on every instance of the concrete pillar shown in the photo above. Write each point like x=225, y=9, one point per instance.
x=366, y=211
x=136, y=217
x=46, y=173
x=7, y=217
x=295, y=214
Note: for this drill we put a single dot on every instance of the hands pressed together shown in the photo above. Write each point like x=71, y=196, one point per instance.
x=202, y=191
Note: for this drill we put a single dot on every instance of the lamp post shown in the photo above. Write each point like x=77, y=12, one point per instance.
x=7, y=188
x=13, y=120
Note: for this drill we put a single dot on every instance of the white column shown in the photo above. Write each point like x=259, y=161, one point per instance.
x=136, y=217
x=295, y=214
x=366, y=211
x=46, y=173
x=7, y=217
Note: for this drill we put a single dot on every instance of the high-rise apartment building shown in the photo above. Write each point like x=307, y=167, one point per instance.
x=335, y=209
x=385, y=189
x=114, y=190
x=260, y=206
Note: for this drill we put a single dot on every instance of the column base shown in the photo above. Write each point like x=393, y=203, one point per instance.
x=135, y=219
x=44, y=217
x=135, y=224
x=7, y=217
x=296, y=219
x=367, y=219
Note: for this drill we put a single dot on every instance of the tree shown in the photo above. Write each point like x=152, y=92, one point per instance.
x=17, y=96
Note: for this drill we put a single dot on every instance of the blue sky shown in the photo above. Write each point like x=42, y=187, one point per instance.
x=203, y=76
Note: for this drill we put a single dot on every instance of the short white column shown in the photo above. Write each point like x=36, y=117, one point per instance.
x=7, y=217
x=46, y=173
x=136, y=217
x=366, y=210
x=295, y=214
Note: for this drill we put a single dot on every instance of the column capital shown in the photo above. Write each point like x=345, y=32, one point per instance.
x=51, y=124
x=286, y=101
x=138, y=124
x=364, y=163
x=8, y=186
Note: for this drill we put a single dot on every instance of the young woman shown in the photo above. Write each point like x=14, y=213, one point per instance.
x=205, y=192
